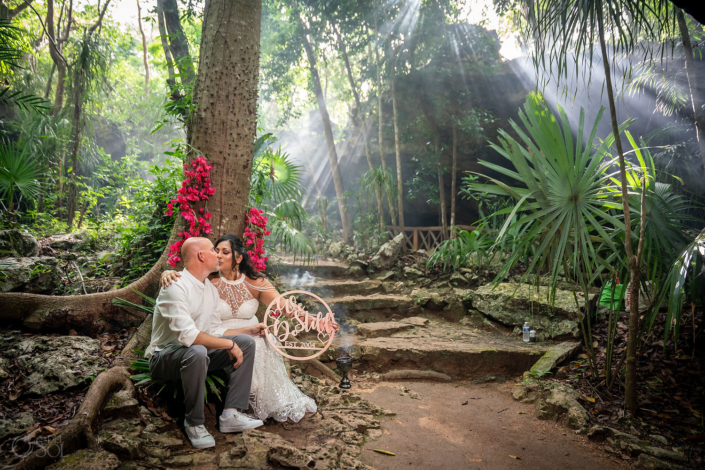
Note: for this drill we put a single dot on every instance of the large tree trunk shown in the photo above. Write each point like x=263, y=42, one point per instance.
x=144, y=50
x=691, y=73
x=224, y=122
x=390, y=199
x=630, y=397
x=454, y=174
x=178, y=42
x=224, y=127
x=397, y=145
x=361, y=127
x=322, y=108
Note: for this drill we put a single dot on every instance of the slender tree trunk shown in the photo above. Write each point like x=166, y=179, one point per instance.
x=49, y=80
x=178, y=42
x=56, y=57
x=224, y=123
x=362, y=127
x=454, y=174
x=397, y=146
x=165, y=42
x=390, y=199
x=332, y=154
x=144, y=50
x=630, y=398
x=72, y=199
x=692, y=74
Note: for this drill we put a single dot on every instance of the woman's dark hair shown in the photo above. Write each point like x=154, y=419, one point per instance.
x=236, y=246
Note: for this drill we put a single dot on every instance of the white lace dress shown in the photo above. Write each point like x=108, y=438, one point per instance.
x=272, y=394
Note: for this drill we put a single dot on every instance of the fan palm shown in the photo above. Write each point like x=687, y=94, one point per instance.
x=19, y=174
x=569, y=28
x=276, y=186
x=564, y=210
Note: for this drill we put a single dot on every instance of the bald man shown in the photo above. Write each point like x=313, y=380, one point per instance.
x=184, y=347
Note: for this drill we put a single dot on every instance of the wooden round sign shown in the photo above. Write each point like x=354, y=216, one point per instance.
x=286, y=318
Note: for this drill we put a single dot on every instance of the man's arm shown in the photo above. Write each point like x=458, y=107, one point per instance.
x=213, y=342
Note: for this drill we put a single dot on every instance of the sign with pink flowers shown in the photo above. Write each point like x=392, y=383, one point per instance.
x=286, y=318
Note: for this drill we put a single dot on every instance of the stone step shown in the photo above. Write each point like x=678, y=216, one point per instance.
x=460, y=351
x=301, y=272
x=331, y=288
x=371, y=308
x=388, y=328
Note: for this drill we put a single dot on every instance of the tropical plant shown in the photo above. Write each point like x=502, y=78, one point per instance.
x=276, y=186
x=19, y=174
x=11, y=38
x=564, y=210
x=456, y=252
x=564, y=29
x=685, y=277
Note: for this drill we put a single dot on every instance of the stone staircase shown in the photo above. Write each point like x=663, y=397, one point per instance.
x=387, y=327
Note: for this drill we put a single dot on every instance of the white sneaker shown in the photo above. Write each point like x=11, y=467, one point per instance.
x=199, y=436
x=234, y=421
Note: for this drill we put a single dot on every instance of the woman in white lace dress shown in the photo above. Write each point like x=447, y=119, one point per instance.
x=272, y=394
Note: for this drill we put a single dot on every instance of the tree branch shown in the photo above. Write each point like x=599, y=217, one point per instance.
x=100, y=18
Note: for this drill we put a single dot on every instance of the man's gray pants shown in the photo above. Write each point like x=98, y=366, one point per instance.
x=192, y=364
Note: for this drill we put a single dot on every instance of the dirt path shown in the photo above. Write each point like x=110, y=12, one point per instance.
x=438, y=432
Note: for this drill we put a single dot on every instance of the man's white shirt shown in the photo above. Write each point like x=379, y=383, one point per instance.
x=184, y=309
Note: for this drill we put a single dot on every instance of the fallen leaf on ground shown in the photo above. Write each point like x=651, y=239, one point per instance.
x=385, y=452
x=591, y=400
x=516, y=457
x=465, y=403
x=521, y=412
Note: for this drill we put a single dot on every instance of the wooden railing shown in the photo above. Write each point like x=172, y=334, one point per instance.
x=427, y=238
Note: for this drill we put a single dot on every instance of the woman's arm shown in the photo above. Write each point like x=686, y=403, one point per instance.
x=267, y=293
x=168, y=277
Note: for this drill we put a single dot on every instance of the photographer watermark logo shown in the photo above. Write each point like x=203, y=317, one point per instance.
x=286, y=318
x=22, y=447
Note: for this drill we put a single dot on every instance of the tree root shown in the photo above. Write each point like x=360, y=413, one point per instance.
x=90, y=314
x=415, y=374
x=79, y=432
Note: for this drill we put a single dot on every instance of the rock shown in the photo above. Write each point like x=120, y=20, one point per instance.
x=87, y=460
x=658, y=438
x=377, y=329
x=191, y=460
x=632, y=444
x=122, y=437
x=562, y=401
x=80, y=234
x=415, y=321
x=386, y=276
x=412, y=273
x=121, y=404
x=650, y=462
x=388, y=254
x=527, y=392
x=357, y=271
x=59, y=363
x=36, y=275
x=336, y=249
x=64, y=242
x=554, y=356
x=511, y=304
x=457, y=279
x=15, y=427
x=18, y=243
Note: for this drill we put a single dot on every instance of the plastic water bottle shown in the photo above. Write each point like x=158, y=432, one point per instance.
x=525, y=332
